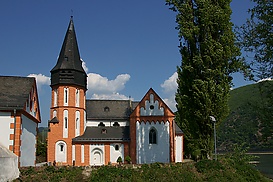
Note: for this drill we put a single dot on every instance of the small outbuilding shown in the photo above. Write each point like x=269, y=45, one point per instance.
x=8, y=165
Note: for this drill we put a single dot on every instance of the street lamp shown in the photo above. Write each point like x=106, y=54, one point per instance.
x=214, y=122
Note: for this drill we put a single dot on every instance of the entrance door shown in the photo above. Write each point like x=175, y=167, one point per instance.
x=60, y=151
x=96, y=157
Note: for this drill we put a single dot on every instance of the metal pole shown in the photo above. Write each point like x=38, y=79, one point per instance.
x=215, y=141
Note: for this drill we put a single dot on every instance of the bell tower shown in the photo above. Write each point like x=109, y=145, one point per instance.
x=67, y=111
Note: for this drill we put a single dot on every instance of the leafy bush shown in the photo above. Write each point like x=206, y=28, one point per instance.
x=224, y=169
x=206, y=165
x=128, y=159
x=119, y=160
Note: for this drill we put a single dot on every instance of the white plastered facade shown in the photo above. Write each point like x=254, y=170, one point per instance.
x=178, y=148
x=5, y=121
x=150, y=153
x=115, y=154
x=28, y=145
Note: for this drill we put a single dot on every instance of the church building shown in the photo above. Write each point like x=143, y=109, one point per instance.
x=19, y=119
x=85, y=132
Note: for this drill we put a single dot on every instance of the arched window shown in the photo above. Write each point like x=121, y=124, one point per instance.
x=77, y=97
x=65, y=124
x=66, y=96
x=115, y=124
x=77, y=123
x=55, y=97
x=61, y=147
x=152, y=136
x=116, y=147
x=54, y=113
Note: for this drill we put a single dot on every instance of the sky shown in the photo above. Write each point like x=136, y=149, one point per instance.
x=126, y=46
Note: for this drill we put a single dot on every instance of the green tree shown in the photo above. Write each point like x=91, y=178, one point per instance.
x=255, y=38
x=209, y=56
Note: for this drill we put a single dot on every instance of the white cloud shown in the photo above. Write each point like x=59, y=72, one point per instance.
x=169, y=88
x=84, y=66
x=99, y=87
x=113, y=96
x=102, y=88
x=40, y=79
x=170, y=85
x=171, y=103
x=265, y=79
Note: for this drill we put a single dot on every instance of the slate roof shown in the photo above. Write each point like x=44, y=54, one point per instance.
x=14, y=91
x=113, y=134
x=178, y=131
x=68, y=69
x=54, y=120
x=109, y=109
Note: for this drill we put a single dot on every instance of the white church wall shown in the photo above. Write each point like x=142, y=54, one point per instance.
x=5, y=131
x=114, y=154
x=28, y=139
x=178, y=149
x=150, y=153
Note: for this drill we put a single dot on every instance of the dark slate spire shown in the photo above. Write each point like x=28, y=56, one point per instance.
x=68, y=69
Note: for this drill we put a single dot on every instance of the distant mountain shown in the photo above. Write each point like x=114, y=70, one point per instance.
x=42, y=134
x=250, y=122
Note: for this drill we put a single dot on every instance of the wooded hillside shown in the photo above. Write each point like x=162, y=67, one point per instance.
x=250, y=122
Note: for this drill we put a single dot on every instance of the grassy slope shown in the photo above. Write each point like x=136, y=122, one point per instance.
x=225, y=169
x=250, y=121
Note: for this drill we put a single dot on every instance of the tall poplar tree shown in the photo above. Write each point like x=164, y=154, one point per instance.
x=209, y=56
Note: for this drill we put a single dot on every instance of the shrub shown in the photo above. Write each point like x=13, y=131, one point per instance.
x=128, y=159
x=119, y=160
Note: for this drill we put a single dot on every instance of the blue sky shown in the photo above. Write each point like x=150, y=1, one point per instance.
x=127, y=46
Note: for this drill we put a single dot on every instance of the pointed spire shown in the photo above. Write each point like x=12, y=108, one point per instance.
x=68, y=69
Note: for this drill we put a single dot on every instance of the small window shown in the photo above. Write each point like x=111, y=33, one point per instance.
x=152, y=136
x=152, y=107
x=66, y=96
x=116, y=124
x=103, y=131
x=65, y=122
x=77, y=119
x=106, y=109
x=61, y=147
x=116, y=147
